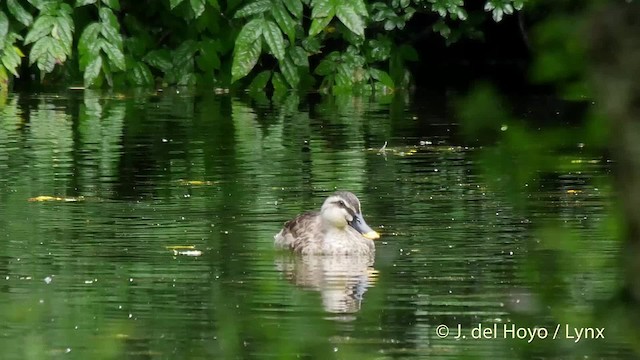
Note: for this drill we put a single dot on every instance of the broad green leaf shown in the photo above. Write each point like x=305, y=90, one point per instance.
x=325, y=68
x=38, y=50
x=290, y=72
x=109, y=18
x=259, y=83
x=317, y=25
x=312, y=45
x=299, y=56
x=174, y=3
x=18, y=12
x=4, y=25
x=41, y=27
x=92, y=71
x=295, y=7
x=11, y=60
x=139, y=74
x=114, y=54
x=113, y=4
x=278, y=83
x=208, y=59
x=245, y=57
x=80, y=3
x=360, y=7
x=273, y=37
x=63, y=30
x=253, y=8
x=87, y=45
x=214, y=4
x=160, y=59
x=383, y=77
x=349, y=17
x=250, y=32
x=198, y=7
x=322, y=8
x=284, y=20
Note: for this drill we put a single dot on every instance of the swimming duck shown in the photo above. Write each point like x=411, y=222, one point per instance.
x=338, y=228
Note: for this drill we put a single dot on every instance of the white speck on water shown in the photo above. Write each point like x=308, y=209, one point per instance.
x=504, y=128
x=182, y=217
x=435, y=170
x=164, y=140
x=68, y=350
x=511, y=253
x=88, y=281
x=48, y=280
x=130, y=316
x=41, y=301
x=130, y=279
x=119, y=307
x=335, y=349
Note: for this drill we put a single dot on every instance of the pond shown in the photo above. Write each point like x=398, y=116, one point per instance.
x=141, y=226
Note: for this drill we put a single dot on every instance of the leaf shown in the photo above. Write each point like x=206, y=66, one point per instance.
x=63, y=30
x=114, y=54
x=290, y=72
x=41, y=27
x=113, y=4
x=278, y=83
x=325, y=67
x=347, y=14
x=360, y=7
x=160, y=59
x=253, y=8
x=317, y=25
x=383, y=77
x=245, y=57
x=185, y=53
x=198, y=7
x=322, y=8
x=88, y=45
x=92, y=71
x=11, y=60
x=259, y=83
x=80, y=3
x=273, y=37
x=250, y=32
x=140, y=74
x=295, y=7
x=174, y=3
x=208, y=59
x=284, y=20
x=214, y=4
x=18, y=12
x=299, y=56
x=4, y=25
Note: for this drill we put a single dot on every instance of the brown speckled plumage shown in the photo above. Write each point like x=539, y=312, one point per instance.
x=312, y=233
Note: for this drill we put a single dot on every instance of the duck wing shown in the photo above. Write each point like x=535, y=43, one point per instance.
x=301, y=232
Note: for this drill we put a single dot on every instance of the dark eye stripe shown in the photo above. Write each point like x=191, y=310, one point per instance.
x=344, y=206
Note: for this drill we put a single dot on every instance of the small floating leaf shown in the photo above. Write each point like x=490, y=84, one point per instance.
x=42, y=198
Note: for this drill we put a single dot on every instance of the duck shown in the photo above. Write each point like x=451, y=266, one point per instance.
x=338, y=228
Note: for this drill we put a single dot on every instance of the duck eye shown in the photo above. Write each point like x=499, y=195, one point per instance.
x=341, y=203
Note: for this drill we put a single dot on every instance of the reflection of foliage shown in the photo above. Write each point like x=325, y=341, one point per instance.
x=348, y=45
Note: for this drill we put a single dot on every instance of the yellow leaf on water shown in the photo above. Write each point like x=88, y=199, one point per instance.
x=180, y=247
x=42, y=198
x=195, y=182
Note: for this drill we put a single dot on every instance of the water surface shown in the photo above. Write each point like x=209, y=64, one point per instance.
x=141, y=226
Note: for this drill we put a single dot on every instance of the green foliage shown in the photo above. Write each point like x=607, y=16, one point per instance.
x=333, y=45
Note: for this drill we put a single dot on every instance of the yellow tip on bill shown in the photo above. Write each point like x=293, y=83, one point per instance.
x=371, y=235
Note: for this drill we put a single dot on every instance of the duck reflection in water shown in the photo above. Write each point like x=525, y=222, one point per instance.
x=341, y=280
x=337, y=252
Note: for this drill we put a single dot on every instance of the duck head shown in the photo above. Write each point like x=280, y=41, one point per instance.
x=343, y=209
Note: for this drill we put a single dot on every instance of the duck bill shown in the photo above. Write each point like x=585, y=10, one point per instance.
x=361, y=226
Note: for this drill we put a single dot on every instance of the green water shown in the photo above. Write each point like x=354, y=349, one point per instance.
x=149, y=234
